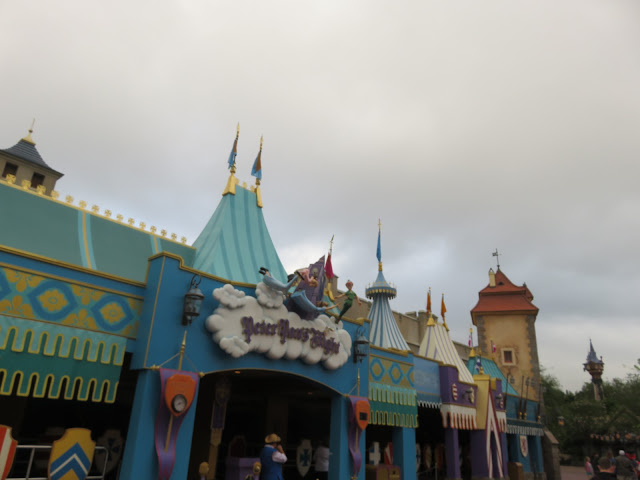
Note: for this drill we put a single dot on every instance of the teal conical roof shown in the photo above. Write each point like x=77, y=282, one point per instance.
x=235, y=243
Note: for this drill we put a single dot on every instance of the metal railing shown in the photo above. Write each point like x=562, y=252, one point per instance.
x=32, y=454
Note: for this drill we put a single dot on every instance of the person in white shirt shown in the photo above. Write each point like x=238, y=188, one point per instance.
x=321, y=461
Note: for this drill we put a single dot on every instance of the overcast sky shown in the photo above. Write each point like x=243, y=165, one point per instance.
x=463, y=126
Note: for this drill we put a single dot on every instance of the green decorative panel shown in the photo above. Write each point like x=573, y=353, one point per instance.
x=42, y=359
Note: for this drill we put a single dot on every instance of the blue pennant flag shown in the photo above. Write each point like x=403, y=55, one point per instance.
x=379, y=250
x=234, y=151
x=256, y=171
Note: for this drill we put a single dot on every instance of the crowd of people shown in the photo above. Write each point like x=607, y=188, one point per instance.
x=624, y=466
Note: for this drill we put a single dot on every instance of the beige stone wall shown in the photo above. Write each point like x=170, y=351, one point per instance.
x=514, y=333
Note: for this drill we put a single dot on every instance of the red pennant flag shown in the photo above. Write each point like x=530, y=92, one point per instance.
x=493, y=347
x=328, y=268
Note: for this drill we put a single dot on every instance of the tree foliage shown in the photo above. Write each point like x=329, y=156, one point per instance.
x=584, y=426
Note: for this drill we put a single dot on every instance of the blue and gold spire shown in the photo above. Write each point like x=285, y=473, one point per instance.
x=384, y=331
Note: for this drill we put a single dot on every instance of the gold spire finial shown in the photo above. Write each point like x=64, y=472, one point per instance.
x=28, y=136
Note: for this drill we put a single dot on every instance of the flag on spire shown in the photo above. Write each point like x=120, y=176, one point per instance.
x=328, y=267
x=493, y=347
x=443, y=308
x=256, y=171
x=429, y=301
x=234, y=149
x=470, y=336
x=379, y=249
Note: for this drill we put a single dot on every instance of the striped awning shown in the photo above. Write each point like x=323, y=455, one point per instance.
x=393, y=406
x=458, y=416
x=522, y=427
x=46, y=360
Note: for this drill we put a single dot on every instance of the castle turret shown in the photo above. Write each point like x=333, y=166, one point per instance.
x=595, y=367
x=384, y=332
x=23, y=165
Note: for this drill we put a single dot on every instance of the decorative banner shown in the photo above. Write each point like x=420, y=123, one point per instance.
x=524, y=445
x=358, y=421
x=71, y=455
x=303, y=457
x=454, y=391
x=374, y=454
x=112, y=440
x=7, y=451
x=388, y=454
x=418, y=457
x=171, y=414
x=218, y=416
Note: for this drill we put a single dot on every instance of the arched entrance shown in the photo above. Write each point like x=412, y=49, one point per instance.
x=258, y=402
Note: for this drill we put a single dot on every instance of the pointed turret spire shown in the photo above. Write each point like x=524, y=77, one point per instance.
x=28, y=138
x=384, y=331
x=595, y=367
x=232, y=181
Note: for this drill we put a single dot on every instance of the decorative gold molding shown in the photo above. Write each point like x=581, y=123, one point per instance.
x=58, y=263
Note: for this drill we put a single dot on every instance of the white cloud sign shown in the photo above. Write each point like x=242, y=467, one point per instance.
x=243, y=324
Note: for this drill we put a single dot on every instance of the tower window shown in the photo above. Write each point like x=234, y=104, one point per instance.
x=508, y=357
x=9, y=169
x=37, y=180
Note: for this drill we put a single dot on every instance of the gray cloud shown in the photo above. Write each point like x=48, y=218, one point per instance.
x=464, y=127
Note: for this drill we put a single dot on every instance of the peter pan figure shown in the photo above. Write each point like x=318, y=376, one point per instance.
x=351, y=295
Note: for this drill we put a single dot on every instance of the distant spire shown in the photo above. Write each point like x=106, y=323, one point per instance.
x=379, y=250
x=28, y=138
x=429, y=301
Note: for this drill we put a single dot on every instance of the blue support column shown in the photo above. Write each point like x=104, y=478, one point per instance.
x=340, y=462
x=404, y=451
x=452, y=452
x=140, y=461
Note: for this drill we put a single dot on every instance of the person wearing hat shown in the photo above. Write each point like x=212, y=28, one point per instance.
x=624, y=467
x=272, y=457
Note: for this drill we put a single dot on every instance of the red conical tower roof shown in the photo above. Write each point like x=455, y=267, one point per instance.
x=502, y=296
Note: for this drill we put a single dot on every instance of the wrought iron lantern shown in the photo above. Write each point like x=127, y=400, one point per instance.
x=360, y=347
x=192, y=301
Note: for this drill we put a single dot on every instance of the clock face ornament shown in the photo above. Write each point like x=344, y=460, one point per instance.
x=178, y=404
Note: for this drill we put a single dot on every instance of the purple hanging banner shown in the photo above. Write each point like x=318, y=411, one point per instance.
x=360, y=411
x=177, y=392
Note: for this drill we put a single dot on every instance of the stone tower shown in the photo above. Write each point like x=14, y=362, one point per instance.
x=505, y=318
x=595, y=367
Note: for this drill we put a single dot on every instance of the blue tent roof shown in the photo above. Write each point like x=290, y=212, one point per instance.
x=235, y=243
x=490, y=368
